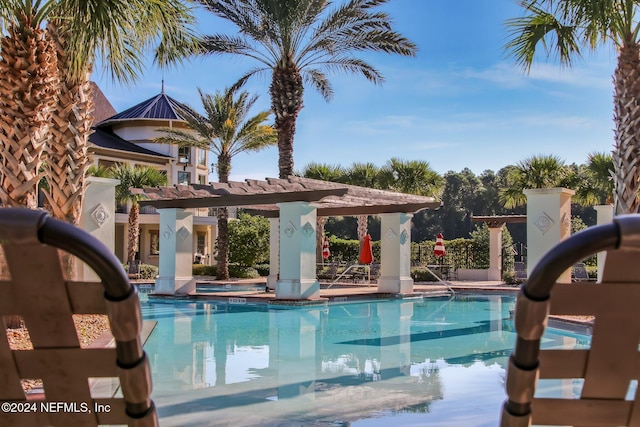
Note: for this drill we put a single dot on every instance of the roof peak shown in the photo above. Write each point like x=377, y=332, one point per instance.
x=158, y=107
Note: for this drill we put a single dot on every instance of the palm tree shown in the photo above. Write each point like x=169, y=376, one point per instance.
x=226, y=130
x=298, y=41
x=364, y=175
x=76, y=33
x=134, y=177
x=412, y=177
x=564, y=29
x=324, y=172
x=600, y=167
x=543, y=171
x=28, y=80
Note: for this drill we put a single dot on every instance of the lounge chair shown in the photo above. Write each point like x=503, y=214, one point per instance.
x=38, y=292
x=610, y=364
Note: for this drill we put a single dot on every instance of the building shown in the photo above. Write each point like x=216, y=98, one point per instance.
x=129, y=137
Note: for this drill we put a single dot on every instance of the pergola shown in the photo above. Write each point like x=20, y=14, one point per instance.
x=496, y=223
x=292, y=206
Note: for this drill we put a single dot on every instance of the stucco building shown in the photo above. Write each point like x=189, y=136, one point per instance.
x=128, y=137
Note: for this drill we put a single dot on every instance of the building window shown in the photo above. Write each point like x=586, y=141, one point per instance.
x=200, y=257
x=202, y=157
x=154, y=242
x=184, y=155
x=184, y=178
x=202, y=179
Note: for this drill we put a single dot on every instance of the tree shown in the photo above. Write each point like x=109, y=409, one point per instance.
x=298, y=42
x=28, y=82
x=227, y=130
x=544, y=171
x=76, y=33
x=324, y=172
x=565, y=29
x=364, y=175
x=134, y=177
x=412, y=177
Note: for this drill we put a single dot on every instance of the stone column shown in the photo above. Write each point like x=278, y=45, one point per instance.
x=495, y=250
x=176, y=257
x=297, y=252
x=548, y=222
x=395, y=254
x=274, y=252
x=98, y=217
x=605, y=216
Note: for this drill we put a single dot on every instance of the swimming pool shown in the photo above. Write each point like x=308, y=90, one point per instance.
x=436, y=362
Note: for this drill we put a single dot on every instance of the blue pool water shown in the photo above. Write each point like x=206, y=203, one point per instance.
x=436, y=362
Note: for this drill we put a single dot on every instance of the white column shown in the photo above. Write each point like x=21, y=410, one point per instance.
x=176, y=259
x=395, y=254
x=604, y=216
x=297, y=252
x=274, y=252
x=548, y=222
x=98, y=217
x=495, y=251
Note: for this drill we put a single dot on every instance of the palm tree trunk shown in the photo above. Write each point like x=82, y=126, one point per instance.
x=222, y=263
x=362, y=226
x=67, y=152
x=28, y=81
x=134, y=231
x=627, y=132
x=286, y=92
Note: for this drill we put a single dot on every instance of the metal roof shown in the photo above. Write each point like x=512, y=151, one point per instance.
x=261, y=197
x=160, y=107
x=110, y=140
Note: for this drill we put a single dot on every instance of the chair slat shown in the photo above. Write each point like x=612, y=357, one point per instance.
x=92, y=362
x=583, y=412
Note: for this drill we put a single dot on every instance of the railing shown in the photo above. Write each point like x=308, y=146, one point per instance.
x=150, y=210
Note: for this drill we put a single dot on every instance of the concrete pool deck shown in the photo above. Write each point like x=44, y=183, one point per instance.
x=338, y=292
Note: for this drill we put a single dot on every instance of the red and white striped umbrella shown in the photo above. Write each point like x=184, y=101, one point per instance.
x=326, y=253
x=439, y=249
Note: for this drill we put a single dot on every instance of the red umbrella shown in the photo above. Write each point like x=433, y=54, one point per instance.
x=366, y=253
x=439, y=249
x=326, y=253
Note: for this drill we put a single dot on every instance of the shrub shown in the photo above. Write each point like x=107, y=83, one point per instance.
x=509, y=278
x=147, y=271
x=422, y=275
x=242, y=272
x=249, y=240
x=262, y=269
x=204, y=270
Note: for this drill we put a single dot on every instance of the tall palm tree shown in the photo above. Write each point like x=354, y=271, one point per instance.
x=543, y=171
x=28, y=81
x=565, y=29
x=77, y=32
x=364, y=175
x=134, y=177
x=227, y=130
x=298, y=41
x=118, y=32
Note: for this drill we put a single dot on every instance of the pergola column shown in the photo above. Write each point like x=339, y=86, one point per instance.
x=98, y=218
x=495, y=250
x=548, y=222
x=176, y=260
x=395, y=254
x=274, y=252
x=604, y=216
x=297, y=252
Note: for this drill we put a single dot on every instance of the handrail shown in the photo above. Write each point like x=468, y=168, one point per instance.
x=440, y=280
x=367, y=266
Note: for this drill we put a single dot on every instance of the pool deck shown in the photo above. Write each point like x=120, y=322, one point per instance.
x=338, y=292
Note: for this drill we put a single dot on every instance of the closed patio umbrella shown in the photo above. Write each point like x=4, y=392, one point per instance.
x=326, y=253
x=439, y=250
x=366, y=253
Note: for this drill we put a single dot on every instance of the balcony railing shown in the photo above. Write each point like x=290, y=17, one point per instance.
x=150, y=210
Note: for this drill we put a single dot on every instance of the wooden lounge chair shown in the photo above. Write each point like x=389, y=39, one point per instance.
x=611, y=362
x=38, y=292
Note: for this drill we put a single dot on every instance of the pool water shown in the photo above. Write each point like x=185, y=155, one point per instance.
x=436, y=362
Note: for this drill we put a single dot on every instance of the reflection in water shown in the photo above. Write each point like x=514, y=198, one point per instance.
x=384, y=363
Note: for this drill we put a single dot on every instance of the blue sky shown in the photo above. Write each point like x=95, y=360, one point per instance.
x=460, y=103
